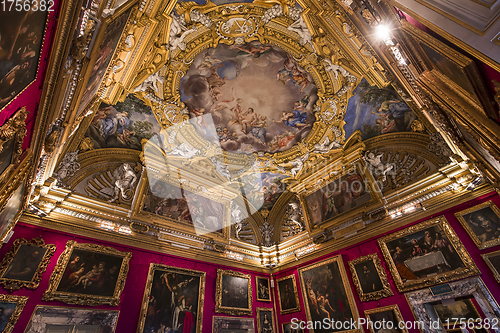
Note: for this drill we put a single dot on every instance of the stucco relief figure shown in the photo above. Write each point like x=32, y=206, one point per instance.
x=125, y=179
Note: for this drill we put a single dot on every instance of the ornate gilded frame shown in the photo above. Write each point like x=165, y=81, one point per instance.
x=257, y=278
x=376, y=295
x=245, y=323
x=147, y=292
x=486, y=257
x=13, y=284
x=259, y=310
x=394, y=308
x=219, y=308
x=469, y=268
x=13, y=129
x=21, y=302
x=295, y=292
x=299, y=330
x=82, y=299
x=477, y=241
x=345, y=284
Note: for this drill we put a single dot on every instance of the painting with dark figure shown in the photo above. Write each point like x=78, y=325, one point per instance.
x=233, y=294
x=6, y=310
x=370, y=278
x=463, y=308
x=173, y=300
x=291, y=328
x=20, y=47
x=376, y=111
x=388, y=318
x=327, y=293
x=482, y=223
x=288, y=295
x=492, y=259
x=262, y=190
x=425, y=254
x=262, y=285
x=25, y=263
x=265, y=320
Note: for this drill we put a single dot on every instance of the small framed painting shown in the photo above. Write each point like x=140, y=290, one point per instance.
x=265, y=320
x=288, y=295
x=385, y=319
x=262, y=285
x=370, y=278
x=233, y=293
x=482, y=223
x=10, y=310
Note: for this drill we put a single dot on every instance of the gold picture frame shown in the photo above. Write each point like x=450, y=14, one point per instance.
x=398, y=253
x=397, y=317
x=287, y=328
x=284, y=283
x=261, y=321
x=20, y=302
x=470, y=220
x=226, y=300
x=329, y=271
x=12, y=135
x=241, y=324
x=71, y=290
x=487, y=257
x=159, y=272
x=383, y=286
x=12, y=280
x=265, y=290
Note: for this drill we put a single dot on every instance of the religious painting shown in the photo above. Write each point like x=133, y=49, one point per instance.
x=109, y=43
x=337, y=197
x=492, y=259
x=265, y=320
x=291, y=328
x=88, y=274
x=173, y=300
x=385, y=319
x=263, y=291
x=262, y=190
x=370, y=278
x=123, y=125
x=233, y=293
x=482, y=223
x=453, y=313
x=327, y=293
x=376, y=111
x=258, y=98
x=233, y=325
x=10, y=310
x=25, y=263
x=426, y=254
x=20, y=47
x=11, y=211
x=288, y=295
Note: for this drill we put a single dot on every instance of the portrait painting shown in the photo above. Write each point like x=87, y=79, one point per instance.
x=291, y=328
x=482, y=223
x=233, y=325
x=492, y=259
x=288, y=295
x=88, y=274
x=233, y=293
x=11, y=211
x=370, y=278
x=10, y=310
x=257, y=96
x=385, y=319
x=426, y=254
x=262, y=190
x=123, y=125
x=337, y=197
x=265, y=320
x=109, y=43
x=263, y=291
x=327, y=293
x=376, y=111
x=20, y=47
x=25, y=263
x=173, y=300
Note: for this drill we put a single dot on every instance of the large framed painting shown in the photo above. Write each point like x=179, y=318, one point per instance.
x=492, y=259
x=327, y=293
x=482, y=223
x=288, y=295
x=370, y=278
x=426, y=254
x=385, y=319
x=173, y=300
x=88, y=274
x=10, y=310
x=11, y=211
x=265, y=320
x=233, y=293
x=233, y=325
x=263, y=291
x=291, y=328
x=22, y=41
x=25, y=263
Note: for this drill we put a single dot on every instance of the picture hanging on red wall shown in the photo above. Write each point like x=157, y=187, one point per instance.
x=287, y=295
x=262, y=285
x=370, y=278
x=233, y=293
x=265, y=320
x=10, y=310
x=482, y=223
x=385, y=319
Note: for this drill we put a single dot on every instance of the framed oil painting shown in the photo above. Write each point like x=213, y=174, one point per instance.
x=265, y=320
x=288, y=295
x=327, y=293
x=13, y=134
x=452, y=311
x=233, y=325
x=482, y=223
x=263, y=290
x=173, y=300
x=492, y=259
x=370, y=278
x=11, y=211
x=385, y=319
x=10, y=310
x=25, y=263
x=291, y=328
x=22, y=41
x=426, y=254
x=233, y=293
x=88, y=274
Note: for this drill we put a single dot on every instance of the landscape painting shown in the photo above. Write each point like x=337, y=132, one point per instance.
x=262, y=190
x=258, y=96
x=376, y=111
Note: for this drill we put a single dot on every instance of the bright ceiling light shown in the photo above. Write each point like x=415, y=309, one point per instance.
x=383, y=32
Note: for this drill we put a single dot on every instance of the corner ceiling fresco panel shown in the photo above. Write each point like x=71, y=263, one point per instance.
x=262, y=190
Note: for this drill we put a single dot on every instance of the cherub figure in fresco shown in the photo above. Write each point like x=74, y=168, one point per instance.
x=251, y=49
x=292, y=72
x=298, y=117
x=214, y=80
x=258, y=127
